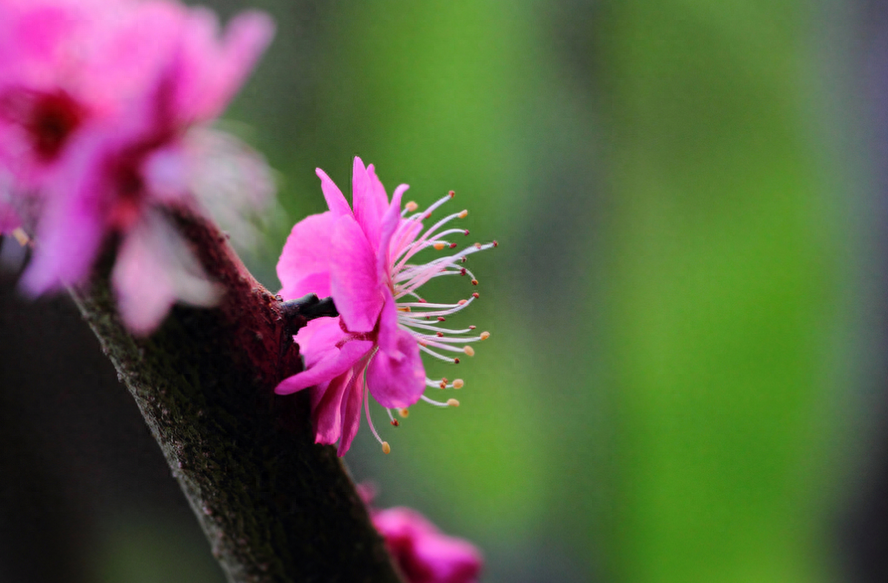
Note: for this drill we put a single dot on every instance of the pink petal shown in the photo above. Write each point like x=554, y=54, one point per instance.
x=327, y=412
x=335, y=201
x=388, y=327
x=142, y=284
x=397, y=382
x=354, y=282
x=368, y=207
x=70, y=231
x=155, y=268
x=304, y=266
x=317, y=338
x=246, y=38
x=451, y=560
x=330, y=366
x=390, y=221
x=351, y=411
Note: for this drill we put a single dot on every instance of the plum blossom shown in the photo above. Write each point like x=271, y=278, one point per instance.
x=423, y=553
x=365, y=258
x=98, y=102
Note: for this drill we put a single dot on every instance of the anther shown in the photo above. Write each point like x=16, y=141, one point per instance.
x=467, y=232
x=463, y=259
x=441, y=318
x=471, y=327
x=404, y=412
x=463, y=214
x=462, y=302
x=442, y=384
x=452, y=194
x=395, y=423
x=485, y=335
x=495, y=244
x=469, y=350
x=453, y=402
x=455, y=361
x=476, y=295
x=453, y=245
x=474, y=282
x=19, y=234
x=386, y=448
x=462, y=271
x=458, y=383
x=477, y=245
x=403, y=308
x=411, y=206
x=438, y=246
x=440, y=335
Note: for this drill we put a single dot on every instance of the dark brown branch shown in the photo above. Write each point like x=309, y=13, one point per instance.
x=275, y=506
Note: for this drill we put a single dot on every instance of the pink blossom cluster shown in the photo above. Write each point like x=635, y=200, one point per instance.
x=422, y=553
x=100, y=105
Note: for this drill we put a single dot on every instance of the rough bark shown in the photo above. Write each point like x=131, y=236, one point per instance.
x=275, y=506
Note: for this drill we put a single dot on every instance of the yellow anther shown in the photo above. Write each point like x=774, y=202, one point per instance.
x=485, y=335
x=21, y=236
x=405, y=412
x=386, y=448
x=458, y=383
x=452, y=403
x=469, y=350
x=403, y=308
x=438, y=246
x=411, y=206
x=463, y=214
x=462, y=302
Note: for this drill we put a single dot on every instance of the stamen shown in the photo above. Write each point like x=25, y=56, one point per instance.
x=469, y=350
x=485, y=335
x=458, y=383
x=19, y=234
x=385, y=445
x=474, y=282
x=411, y=206
x=435, y=403
x=452, y=403
x=404, y=412
x=386, y=448
x=438, y=246
x=463, y=214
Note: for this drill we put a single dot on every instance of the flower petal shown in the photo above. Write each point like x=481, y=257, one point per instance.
x=351, y=410
x=369, y=201
x=327, y=412
x=154, y=268
x=304, y=265
x=397, y=383
x=335, y=201
x=354, y=281
x=390, y=221
x=388, y=327
x=331, y=365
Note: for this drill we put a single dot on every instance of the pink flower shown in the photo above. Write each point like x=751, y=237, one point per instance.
x=364, y=258
x=97, y=102
x=422, y=553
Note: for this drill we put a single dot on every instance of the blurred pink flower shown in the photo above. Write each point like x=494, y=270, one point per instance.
x=361, y=257
x=97, y=98
x=422, y=553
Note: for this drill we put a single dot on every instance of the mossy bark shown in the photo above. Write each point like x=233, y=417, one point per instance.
x=275, y=506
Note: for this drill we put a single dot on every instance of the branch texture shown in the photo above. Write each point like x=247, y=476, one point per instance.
x=275, y=506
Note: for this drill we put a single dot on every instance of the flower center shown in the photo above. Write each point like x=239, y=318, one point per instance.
x=48, y=118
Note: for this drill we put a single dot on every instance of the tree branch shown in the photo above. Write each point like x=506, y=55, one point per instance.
x=275, y=506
